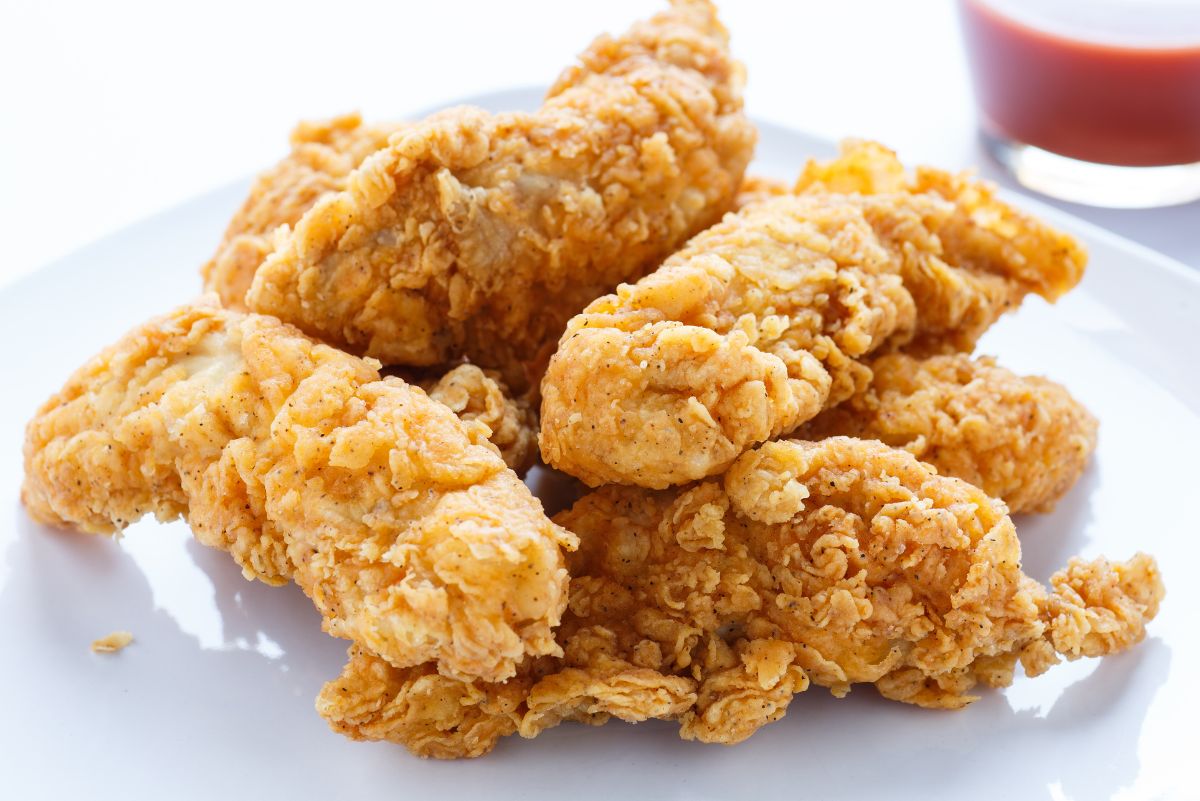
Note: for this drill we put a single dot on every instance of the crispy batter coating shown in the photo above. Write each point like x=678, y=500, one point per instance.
x=1022, y=439
x=400, y=521
x=112, y=643
x=1002, y=253
x=836, y=562
x=481, y=234
x=438, y=716
x=323, y=155
x=765, y=319
x=482, y=396
x=756, y=188
x=431, y=714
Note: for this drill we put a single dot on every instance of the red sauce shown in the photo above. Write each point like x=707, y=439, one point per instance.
x=1101, y=102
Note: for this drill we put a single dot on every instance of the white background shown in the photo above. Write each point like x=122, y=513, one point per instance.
x=112, y=111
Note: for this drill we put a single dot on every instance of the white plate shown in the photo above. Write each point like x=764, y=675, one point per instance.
x=215, y=696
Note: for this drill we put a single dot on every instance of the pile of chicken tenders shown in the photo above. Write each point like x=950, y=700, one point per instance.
x=791, y=471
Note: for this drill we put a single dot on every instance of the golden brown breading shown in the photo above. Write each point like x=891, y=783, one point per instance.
x=759, y=187
x=836, y=562
x=112, y=642
x=437, y=716
x=1001, y=253
x=323, y=155
x=764, y=320
x=430, y=714
x=482, y=396
x=400, y=521
x=1024, y=440
x=481, y=234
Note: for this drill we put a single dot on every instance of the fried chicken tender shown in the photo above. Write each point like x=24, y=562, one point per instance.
x=1022, y=439
x=833, y=563
x=400, y=521
x=323, y=156
x=765, y=319
x=481, y=234
x=482, y=396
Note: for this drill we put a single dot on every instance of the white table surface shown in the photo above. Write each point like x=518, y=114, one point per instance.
x=112, y=111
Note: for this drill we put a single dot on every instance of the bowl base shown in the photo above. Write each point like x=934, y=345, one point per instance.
x=1092, y=184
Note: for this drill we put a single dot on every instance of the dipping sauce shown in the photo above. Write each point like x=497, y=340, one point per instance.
x=1095, y=80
